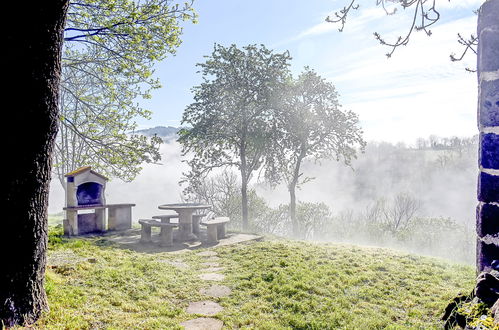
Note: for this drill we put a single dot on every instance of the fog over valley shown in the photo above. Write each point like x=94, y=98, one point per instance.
x=435, y=178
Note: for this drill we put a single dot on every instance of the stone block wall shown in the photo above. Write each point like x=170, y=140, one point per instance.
x=488, y=124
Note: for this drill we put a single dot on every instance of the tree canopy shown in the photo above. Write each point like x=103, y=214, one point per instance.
x=230, y=121
x=250, y=113
x=310, y=124
x=110, y=50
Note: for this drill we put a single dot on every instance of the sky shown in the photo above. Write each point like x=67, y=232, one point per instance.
x=417, y=93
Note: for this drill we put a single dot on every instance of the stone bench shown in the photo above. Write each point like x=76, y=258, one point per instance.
x=166, y=218
x=215, y=228
x=166, y=233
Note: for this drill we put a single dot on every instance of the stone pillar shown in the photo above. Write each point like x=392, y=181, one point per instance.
x=100, y=219
x=212, y=234
x=70, y=223
x=488, y=125
x=185, y=224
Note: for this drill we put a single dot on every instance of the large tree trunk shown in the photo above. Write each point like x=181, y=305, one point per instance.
x=244, y=184
x=488, y=124
x=33, y=37
x=244, y=204
x=292, y=210
x=292, y=194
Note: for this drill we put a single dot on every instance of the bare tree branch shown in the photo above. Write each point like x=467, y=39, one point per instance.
x=425, y=14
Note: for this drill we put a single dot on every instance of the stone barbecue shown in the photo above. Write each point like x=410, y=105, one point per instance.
x=86, y=205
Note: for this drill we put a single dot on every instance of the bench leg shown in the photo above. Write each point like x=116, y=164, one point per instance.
x=145, y=234
x=166, y=236
x=211, y=231
x=195, y=225
x=221, y=231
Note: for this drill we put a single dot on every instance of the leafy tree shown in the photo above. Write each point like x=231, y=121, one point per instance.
x=230, y=121
x=310, y=125
x=33, y=68
x=273, y=221
x=110, y=49
x=313, y=218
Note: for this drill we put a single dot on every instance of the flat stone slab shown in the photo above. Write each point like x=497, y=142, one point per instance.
x=213, y=259
x=179, y=264
x=206, y=308
x=211, y=277
x=130, y=239
x=212, y=269
x=216, y=291
x=203, y=323
x=207, y=254
x=210, y=264
x=238, y=238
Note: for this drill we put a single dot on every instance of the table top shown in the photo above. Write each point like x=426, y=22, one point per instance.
x=184, y=206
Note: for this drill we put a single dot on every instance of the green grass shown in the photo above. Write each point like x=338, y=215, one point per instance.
x=55, y=219
x=92, y=283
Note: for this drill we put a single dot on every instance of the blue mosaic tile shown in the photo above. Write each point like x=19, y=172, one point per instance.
x=487, y=220
x=488, y=188
x=489, y=151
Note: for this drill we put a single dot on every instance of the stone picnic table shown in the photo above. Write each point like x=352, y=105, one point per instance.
x=185, y=212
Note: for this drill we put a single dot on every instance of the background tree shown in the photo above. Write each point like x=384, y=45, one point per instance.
x=109, y=54
x=32, y=69
x=310, y=125
x=230, y=119
x=394, y=215
x=223, y=192
x=484, y=44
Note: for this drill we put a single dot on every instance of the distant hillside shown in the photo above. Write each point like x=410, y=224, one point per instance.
x=161, y=131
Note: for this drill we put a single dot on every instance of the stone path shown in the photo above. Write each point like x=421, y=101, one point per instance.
x=203, y=323
x=212, y=277
x=207, y=307
x=216, y=291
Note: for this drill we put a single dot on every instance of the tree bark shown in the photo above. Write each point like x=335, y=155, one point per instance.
x=292, y=210
x=292, y=194
x=244, y=182
x=244, y=204
x=31, y=72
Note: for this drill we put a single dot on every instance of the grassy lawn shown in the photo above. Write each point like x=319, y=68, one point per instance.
x=55, y=219
x=275, y=284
